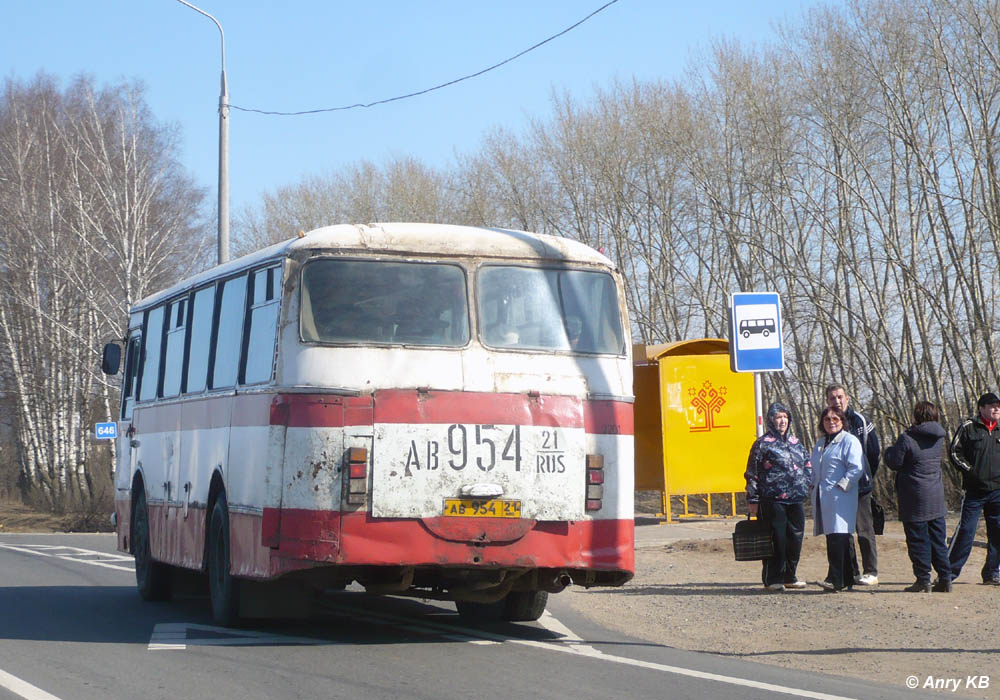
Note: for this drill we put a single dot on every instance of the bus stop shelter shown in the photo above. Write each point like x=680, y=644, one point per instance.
x=695, y=420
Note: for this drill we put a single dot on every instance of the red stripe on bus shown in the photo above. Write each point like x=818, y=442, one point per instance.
x=359, y=539
x=321, y=411
x=204, y=413
x=276, y=542
x=393, y=406
x=608, y=418
x=400, y=406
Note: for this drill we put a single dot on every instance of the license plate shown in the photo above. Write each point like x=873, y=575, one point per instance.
x=481, y=508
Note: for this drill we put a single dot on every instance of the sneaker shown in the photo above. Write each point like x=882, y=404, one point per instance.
x=941, y=586
x=867, y=580
x=991, y=581
x=919, y=587
x=796, y=585
x=775, y=587
x=827, y=586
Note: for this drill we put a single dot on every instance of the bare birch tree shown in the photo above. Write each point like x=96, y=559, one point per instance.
x=94, y=214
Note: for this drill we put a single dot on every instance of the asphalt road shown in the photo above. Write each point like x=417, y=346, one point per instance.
x=72, y=627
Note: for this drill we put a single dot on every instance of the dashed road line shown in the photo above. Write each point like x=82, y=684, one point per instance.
x=170, y=636
x=23, y=688
x=571, y=644
x=121, y=562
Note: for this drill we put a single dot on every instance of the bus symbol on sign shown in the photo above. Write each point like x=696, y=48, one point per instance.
x=764, y=326
x=106, y=431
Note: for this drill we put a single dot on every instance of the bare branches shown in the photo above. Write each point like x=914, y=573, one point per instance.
x=93, y=215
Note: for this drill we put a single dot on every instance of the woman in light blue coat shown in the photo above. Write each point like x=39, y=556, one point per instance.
x=837, y=469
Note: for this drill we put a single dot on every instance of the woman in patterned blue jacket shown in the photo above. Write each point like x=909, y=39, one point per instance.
x=778, y=478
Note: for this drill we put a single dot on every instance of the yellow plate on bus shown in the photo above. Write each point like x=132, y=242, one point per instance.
x=482, y=508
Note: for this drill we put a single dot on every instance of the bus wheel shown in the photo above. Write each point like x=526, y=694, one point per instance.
x=518, y=606
x=222, y=587
x=525, y=606
x=152, y=578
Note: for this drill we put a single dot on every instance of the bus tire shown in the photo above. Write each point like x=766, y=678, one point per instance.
x=152, y=578
x=517, y=606
x=222, y=587
x=525, y=606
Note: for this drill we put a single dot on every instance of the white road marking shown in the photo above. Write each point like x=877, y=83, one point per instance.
x=574, y=647
x=168, y=636
x=23, y=688
x=181, y=635
x=553, y=625
x=677, y=670
x=121, y=562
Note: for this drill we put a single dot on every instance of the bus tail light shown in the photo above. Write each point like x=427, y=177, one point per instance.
x=357, y=473
x=595, y=482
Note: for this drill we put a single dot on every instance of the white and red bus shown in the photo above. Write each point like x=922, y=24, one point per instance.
x=426, y=410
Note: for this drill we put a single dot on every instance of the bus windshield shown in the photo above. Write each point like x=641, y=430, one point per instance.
x=545, y=309
x=355, y=301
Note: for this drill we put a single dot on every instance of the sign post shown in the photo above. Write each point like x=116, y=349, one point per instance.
x=755, y=343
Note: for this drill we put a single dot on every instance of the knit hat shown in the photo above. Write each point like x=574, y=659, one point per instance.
x=988, y=398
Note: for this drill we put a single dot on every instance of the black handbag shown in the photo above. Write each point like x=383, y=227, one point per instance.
x=878, y=517
x=752, y=540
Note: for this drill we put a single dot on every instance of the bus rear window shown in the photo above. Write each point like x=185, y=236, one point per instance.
x=544, y=309
x=354, y=301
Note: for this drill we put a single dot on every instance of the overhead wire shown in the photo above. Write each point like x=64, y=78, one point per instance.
x=430, y=89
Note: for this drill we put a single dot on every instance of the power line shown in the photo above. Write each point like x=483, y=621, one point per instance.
x=436, y=87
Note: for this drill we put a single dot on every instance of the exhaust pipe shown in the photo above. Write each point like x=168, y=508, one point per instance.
x=557, y=583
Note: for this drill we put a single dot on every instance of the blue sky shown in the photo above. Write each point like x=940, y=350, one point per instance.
x=312, y=54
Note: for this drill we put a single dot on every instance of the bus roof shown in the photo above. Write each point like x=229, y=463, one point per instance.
x=419, y=239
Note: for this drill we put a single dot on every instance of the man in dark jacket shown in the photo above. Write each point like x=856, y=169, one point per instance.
x=975, y=451
x=858, y=425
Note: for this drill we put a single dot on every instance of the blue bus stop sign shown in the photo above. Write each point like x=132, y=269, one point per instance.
x=755, y=332
x=106, y=431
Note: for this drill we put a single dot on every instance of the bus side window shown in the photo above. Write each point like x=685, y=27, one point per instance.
x=174, y=357
x=149, y=372
x=228, y=339
x=131, y=375
x=200, y=339
x=263, y=319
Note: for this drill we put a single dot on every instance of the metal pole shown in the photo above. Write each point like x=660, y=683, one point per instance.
x=223, y=145
x=223, y=169
x=758, y=403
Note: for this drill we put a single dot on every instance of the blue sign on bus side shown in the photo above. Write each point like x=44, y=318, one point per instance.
x=755, y=333
x=106, y=431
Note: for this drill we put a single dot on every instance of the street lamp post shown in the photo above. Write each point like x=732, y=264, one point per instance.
x=223, y=145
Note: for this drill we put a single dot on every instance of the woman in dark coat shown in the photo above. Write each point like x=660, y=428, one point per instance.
x=778, y=477
x=916, y=459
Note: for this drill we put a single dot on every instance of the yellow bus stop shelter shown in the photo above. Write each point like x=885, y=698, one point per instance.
x=695, y=421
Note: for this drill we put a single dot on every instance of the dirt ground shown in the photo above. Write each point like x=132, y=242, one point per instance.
x=693, y=595
x=15, y=517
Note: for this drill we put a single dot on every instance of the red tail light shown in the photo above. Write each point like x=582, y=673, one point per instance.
x=357, y=473
x=595, y=482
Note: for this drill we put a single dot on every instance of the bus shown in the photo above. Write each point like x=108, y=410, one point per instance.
x=426, y=410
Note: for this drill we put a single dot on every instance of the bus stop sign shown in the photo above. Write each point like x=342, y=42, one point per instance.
x=755, y=332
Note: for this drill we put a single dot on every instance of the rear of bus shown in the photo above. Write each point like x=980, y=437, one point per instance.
x=456, y=407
